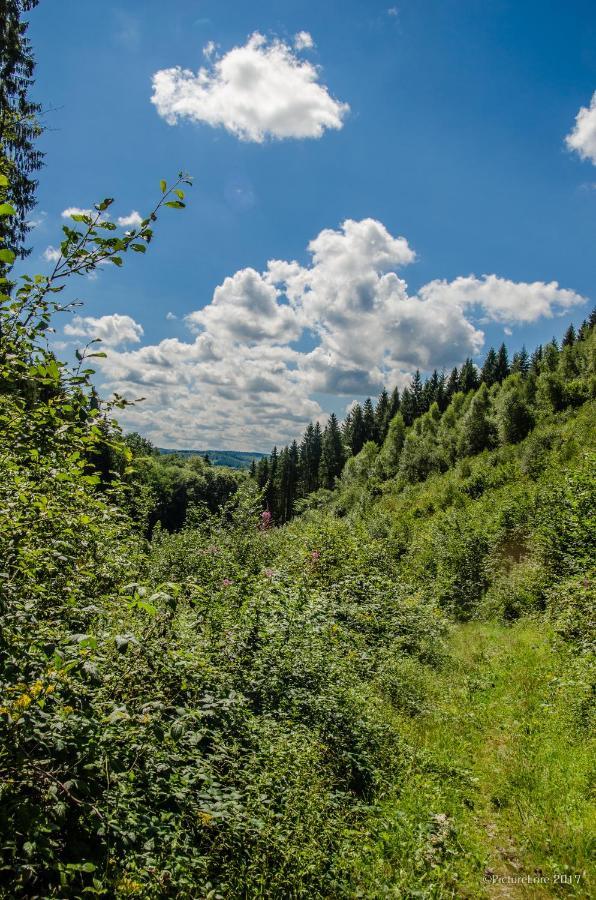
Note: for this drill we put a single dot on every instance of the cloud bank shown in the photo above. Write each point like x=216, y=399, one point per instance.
x=257, y=91
x=276, y=348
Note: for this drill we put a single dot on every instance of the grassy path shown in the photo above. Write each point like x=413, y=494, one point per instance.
x=497, y=794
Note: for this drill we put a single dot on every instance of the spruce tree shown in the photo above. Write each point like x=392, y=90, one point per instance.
x=520, y=362
x=478, y=429
x=19, y=123
x=417, y=388
x=368, y=415
x=357, y=431
x=394, y=402
x=569, y=337
x=408, y=406
x=468, y=377
x=502, y=365
x=452, y=385
x=381, y=412
x=488, y=375
x=332, y=454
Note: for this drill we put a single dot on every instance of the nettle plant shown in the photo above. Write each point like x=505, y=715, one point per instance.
x=65, y=543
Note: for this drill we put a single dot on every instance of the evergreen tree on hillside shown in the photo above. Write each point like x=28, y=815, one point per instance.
x=514, y=416
x=502, y=365
x=536, y=360
x=441, y=393
x=392, y=447
x=310, y=457
x=332, y=454
x=356, y=438
x=429, y=391
x=417, y=389
x=520, y=362
x=19, y=124
x=394, y=402
x=408, y=406
x=488, y=375
x=381, y=416
x=468, y=377
x=569, y=337
x=478, y=429
x=368, y=416
x=452, y=385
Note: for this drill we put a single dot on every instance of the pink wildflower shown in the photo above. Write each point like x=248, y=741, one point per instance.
x=315, y=555
x=227, y=582
x=266, y=520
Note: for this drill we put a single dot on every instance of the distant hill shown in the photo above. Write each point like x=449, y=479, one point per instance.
x=234, y=459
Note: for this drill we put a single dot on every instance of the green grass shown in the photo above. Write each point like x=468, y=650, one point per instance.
x=499, y=780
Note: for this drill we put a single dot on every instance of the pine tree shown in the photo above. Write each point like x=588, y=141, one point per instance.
x=502, y=366
x=468, y=377
x=408, y=406
x=310, y=455
x=478, y=430
x=392, y=447
x=332, y=455
x=253, y=469
x=381, y=411
x=488, y=375
x=368, y=415
x=417, y=388
x=520, y=362
x=394, y=403
x=569, y=337
x=441, y=397
x=536, y=360
x=19, y=124
x=357, y=431
x=452, y=385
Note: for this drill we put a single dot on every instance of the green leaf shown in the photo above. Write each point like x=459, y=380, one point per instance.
x=117, y=260
x=139, y=248
x=163, y=186
x=7, y=210
x=7, y=256
x=101, y=355
x=3, y=181
x=175, y=204
x=179, y=194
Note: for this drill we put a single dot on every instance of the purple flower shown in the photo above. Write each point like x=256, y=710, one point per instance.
x=266, y=519
x=227, y=582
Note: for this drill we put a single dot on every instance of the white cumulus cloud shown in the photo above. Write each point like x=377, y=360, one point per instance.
x=133, y=220
x=582, y=138
x=75, y=211
x=113, y=330
x=259, y=90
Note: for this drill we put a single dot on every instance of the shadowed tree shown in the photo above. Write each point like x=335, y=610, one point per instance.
x=19, y=124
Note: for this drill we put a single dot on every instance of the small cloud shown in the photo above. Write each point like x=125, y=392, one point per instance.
x=133, y=220
x=209, y=49
x=75, y=211
x=303, y=41
x=393, y=11
x=170, y=316
x=508, y=331
x=112, y=330
x=583, y=137
x=256, y=91
x=51, y=254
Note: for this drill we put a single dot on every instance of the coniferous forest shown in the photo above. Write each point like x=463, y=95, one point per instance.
x=362, y=669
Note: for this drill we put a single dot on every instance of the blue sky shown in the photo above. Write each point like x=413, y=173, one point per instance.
x=454, y=141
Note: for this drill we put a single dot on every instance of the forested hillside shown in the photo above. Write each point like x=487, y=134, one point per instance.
x=363, y=670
